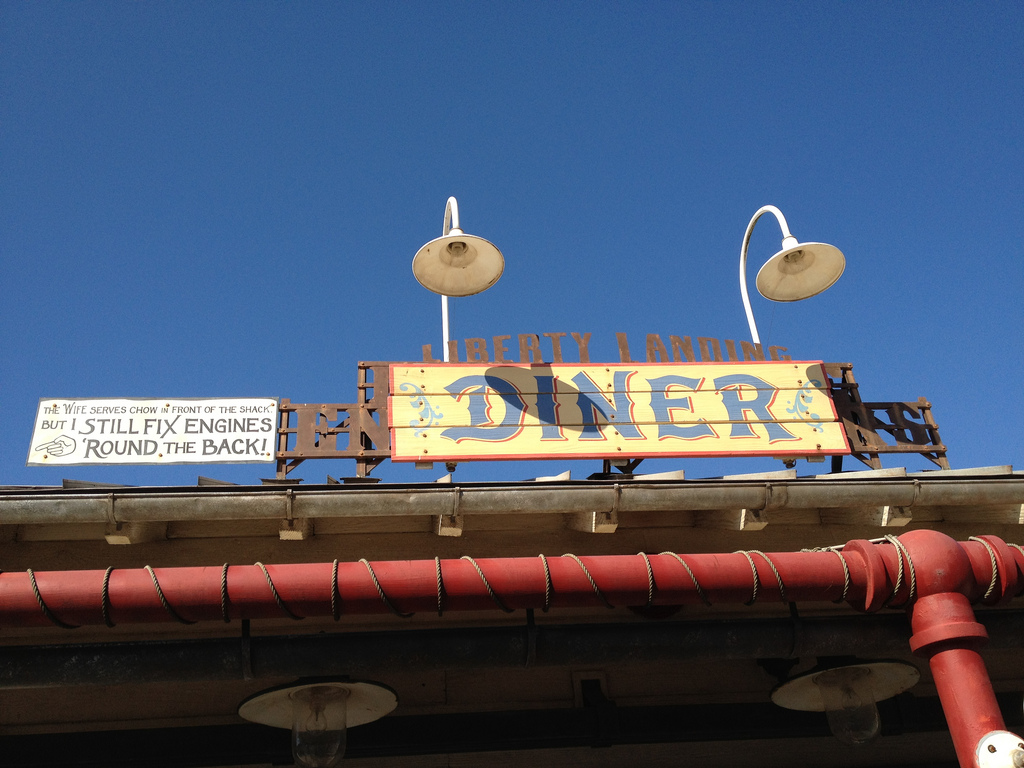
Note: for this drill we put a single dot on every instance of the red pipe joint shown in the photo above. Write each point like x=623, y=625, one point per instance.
x=944, y=580
x=946, y=577
x=872, y=586
x=944, y=620
x=998, y=572
x=941, y=563
x=985, y=569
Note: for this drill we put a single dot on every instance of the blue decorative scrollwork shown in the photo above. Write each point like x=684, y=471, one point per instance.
x=799, y=405
x=427, y=413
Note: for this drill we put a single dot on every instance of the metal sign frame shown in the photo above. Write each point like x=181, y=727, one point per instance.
x=359, y=430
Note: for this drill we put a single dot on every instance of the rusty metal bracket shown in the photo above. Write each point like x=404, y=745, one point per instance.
x=338, y=430
x=875, y=428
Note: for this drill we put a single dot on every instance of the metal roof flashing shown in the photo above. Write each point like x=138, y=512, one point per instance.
x=983, y=495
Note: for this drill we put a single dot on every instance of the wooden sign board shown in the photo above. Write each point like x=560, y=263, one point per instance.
x=461, y=412
x=132, y=430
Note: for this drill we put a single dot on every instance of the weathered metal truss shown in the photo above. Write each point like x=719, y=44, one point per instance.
x=360, y=430
x=874, y=428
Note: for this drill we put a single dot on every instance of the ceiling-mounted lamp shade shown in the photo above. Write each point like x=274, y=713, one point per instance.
x=800, y=270
x=319, y=713
x=847, y=693
x=458, y=264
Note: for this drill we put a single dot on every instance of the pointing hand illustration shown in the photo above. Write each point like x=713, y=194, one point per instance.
x=58, y=446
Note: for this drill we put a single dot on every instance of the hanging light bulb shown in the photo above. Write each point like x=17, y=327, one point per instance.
x=319, y=712
x=319, y=725
x=846, y=690
x=849, y=703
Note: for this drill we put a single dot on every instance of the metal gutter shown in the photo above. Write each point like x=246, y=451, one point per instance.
x=60, y=506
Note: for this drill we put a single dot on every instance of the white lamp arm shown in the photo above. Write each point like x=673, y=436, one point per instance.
x=786, y=235
x=451, y=217
x=451, y=221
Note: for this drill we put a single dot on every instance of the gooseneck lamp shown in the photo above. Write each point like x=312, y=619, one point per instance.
x=456, y=264
x=319, y=713
x=798, y=271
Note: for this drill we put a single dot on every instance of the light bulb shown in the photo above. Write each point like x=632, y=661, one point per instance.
x=849, y=704
x=319, y=725
x=795, y=262
x=458, y=254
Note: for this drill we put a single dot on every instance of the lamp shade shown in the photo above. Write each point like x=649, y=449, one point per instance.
x=801, y=271
x=847, y=694
x=458, y=264
x=319, y=712
x=365, y=702
x=880, y=679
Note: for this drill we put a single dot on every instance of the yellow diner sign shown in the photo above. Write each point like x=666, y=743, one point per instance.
x=456, y=412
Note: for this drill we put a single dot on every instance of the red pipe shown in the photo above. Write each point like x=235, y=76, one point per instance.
x=933, y=576
x=194, y=593
x=947, y=634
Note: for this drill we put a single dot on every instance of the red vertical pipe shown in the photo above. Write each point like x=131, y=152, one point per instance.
x=948, y=635
x=967, y=700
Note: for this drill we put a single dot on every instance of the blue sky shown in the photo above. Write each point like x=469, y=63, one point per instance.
x=223, y=199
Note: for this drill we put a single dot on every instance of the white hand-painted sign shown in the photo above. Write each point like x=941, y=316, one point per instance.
x=152, y=431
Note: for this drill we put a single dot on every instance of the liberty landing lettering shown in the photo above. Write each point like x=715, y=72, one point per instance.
x=531, y=348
